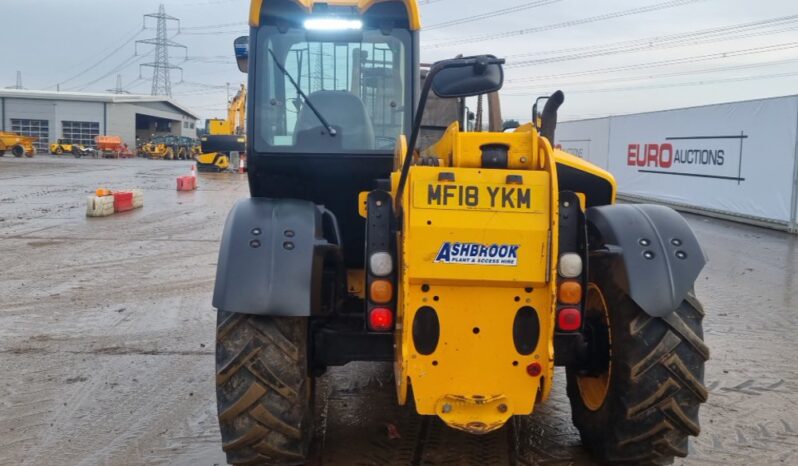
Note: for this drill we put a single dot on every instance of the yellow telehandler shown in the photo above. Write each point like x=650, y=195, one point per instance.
x=61, y=147
x=475, y=265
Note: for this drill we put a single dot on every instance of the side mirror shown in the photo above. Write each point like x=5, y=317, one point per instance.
x=241, y=46
x=448, y=79
x=467, y=77
x=536, y=111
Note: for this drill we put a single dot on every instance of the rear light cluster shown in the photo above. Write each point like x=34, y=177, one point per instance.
x=380, y=293
x=380, y=264
x=570, y=293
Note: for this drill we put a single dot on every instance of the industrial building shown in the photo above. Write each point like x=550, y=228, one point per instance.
x=78, y=117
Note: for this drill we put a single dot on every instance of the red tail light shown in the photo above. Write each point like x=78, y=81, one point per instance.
x=534, y=369
x=381, y=319
x=569, y=319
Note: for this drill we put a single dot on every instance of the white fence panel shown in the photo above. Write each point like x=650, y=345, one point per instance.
x=737, y=158
x=588, y=139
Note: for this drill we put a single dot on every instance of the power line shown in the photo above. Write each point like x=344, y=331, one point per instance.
x=215, y=26
x=660, y=63
x=706, y=36
x=101, y=60
x=684, y=84
x=564, y=24
x=491, y=14
x=721, y=69
x=212, y=33
x=203, y=85
x=137, y=82
x=121, y=66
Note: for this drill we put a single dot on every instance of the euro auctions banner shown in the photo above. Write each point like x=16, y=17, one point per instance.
x=737, y=158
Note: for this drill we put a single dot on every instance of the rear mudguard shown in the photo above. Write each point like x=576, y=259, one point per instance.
x=272, y=258
x=650, y=251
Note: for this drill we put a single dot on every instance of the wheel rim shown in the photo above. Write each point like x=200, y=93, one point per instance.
x=593, y=389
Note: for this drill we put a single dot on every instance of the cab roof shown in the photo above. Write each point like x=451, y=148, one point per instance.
x=413, y=16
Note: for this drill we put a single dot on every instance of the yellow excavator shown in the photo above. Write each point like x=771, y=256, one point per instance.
x=224, y=136
x=475, y=265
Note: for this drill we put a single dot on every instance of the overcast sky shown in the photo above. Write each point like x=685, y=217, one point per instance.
x=609, y=56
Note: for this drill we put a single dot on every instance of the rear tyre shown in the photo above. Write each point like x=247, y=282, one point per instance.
x=263, y=389
x=59, y=151
x=642, y=407
x=18, y=151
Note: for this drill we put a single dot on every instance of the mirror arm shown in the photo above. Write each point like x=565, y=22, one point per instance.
x=422, y=103
x=479, y=62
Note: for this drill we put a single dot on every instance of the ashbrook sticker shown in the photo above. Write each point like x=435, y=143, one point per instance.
x=478, y=254
x=718, y=157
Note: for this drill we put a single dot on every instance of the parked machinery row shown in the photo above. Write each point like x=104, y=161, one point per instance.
x=108, y=147
x=170, y=148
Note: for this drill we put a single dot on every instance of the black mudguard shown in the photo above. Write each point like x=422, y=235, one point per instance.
x=650, y=250
x=272, y=258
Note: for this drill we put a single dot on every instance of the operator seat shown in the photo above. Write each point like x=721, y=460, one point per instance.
x=345, y=112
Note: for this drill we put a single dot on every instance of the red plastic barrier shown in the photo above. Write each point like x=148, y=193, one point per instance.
x=186, y=183
x=123, y=201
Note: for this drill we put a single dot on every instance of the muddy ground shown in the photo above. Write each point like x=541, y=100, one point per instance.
x=106, y=339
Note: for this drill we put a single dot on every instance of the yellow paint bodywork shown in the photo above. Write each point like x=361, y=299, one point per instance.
x=476, y=379
x=218, y=126
x=158, y=151
x=362, y=5
x=213, y=161
x=564, y=158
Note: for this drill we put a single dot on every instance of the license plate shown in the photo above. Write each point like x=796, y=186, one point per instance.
x=507, y=198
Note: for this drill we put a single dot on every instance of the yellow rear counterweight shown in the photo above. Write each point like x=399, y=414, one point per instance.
x=476, y=306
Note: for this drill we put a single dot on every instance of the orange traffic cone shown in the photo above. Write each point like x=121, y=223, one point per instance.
x=242, y=166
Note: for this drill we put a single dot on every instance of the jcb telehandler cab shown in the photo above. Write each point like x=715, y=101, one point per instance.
x=476, y=266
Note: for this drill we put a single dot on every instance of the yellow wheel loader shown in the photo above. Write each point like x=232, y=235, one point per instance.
x=476, y=266
x=160, y=148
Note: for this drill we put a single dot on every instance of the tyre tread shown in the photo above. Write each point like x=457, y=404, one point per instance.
x=656, y=385
x=263, y=393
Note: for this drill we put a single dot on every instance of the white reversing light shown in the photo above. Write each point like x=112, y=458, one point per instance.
x=570, y=265
x=381, y=264
x=333, y=24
